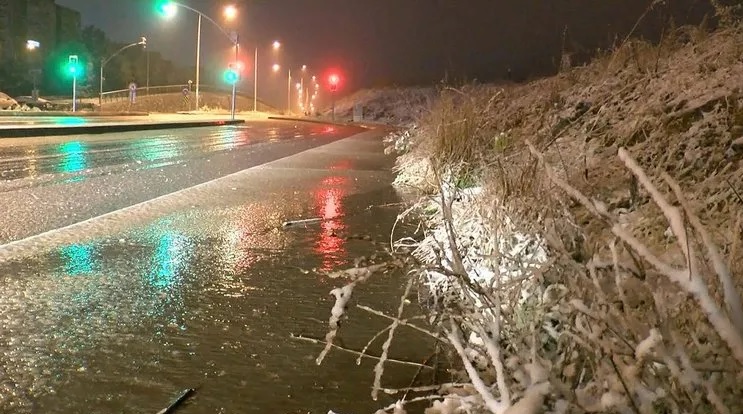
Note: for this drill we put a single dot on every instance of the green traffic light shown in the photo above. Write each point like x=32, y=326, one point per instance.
x=166, y=9
x=75, y=69
x=72, y=69
x=231, y=76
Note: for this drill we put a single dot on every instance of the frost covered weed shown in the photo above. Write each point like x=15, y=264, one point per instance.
x=594, y=265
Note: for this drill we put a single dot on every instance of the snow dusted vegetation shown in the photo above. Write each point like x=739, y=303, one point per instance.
x=579, y=243
x=391, y=106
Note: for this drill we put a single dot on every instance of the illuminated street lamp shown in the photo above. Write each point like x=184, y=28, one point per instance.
x=299, y=86
x=104, y=62
x=168, y=9
x=32, y=45
x=275, y=46
x=230, y=12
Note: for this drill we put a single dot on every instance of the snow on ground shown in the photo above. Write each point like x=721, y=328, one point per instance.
x=393, y=106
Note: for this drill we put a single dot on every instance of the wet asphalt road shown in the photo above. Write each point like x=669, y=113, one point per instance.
x=47, y=183
x=201, y=286
x=36, y=120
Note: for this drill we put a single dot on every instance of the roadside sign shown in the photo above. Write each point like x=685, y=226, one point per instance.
x=132, y=93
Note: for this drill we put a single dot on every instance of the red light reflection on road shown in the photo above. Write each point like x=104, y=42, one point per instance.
x=328, y=199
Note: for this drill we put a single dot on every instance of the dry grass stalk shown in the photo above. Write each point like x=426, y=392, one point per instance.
x=633, y=273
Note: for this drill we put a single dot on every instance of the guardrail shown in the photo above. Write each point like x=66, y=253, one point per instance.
x=123, y=94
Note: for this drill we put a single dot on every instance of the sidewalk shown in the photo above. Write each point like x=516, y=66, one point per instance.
x=13, y=125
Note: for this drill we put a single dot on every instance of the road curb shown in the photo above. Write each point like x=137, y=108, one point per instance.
x=36, y=131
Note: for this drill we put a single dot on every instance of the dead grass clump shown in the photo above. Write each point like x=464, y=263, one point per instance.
x=630, y=178
x=460, y=130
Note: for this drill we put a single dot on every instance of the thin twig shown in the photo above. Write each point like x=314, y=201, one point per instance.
x=403, y=322
x=379, y=368
x=352, y=351
x=727, y=180
x=424, y=388
x=368, y=344
x=624, y=385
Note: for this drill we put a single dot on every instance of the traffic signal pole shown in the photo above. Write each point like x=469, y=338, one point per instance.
x=74, y=92
x=232, y=112
x=234, y=84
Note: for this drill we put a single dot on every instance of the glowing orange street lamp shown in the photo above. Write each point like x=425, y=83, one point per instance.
x=230, y=12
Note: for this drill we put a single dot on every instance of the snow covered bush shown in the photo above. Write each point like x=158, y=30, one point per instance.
x=580, y=250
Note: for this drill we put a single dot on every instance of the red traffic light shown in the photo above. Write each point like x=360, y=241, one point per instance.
x=334, y=80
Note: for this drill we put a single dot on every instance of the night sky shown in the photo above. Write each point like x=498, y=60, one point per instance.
x=393, y=42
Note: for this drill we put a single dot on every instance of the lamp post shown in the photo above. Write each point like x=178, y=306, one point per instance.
x=289, y=93
x=299, y=87
x=32, y=45
x=276, y=45
x=104, y=62
x=169, y=9
x=301, y=90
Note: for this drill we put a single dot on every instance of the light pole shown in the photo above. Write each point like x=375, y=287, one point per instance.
x=104, y=62
x=276, y=45
x=234, y=85
x=289, y=93
x=148, y=73
x=301, y=90
x=169, y=10
x=33, y=45
x=289, y=87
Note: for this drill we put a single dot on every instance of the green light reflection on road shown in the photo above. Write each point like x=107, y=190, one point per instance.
x=154, y=149
x=73, y=157
x=171, y=257
x=78, y=259
x=70, y=121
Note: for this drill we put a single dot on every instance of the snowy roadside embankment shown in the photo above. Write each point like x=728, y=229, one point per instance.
x=579, y=236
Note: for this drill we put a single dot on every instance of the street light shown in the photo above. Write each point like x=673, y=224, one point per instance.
x=168, y=9
x=299, y=86
x=104, y=62
x=230, y=12
x=32, y=45
x=276, y=45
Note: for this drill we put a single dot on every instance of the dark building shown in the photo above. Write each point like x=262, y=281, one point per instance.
x=67, y=24
x=41, y=21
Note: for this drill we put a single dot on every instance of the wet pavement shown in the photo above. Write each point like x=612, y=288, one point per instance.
x=51, y=182
x=203, y=288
